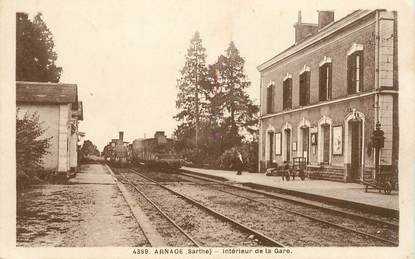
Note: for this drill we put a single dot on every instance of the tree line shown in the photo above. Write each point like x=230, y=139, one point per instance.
x=215, y=113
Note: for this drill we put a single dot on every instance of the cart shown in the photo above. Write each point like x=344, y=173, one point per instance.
x=297, y=168
x=383, y=182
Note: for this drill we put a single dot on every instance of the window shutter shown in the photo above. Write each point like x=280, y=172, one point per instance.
x=290, y=93
x=283, y=95
x=349, y=74
x=307, y=87
x=284, y=89
x=302, y=89
x=361, y=71
x=329, y=67
x=321, y=83
x=286, y=95
x=269, y=98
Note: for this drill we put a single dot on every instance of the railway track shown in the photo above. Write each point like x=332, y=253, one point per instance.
x=246, y=235
x=178, y=240
x=391, y=223
x=244, y=193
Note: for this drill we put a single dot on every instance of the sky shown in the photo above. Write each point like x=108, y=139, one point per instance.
x=125, y=56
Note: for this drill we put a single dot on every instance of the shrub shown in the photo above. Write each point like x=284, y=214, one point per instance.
x=29, y=149
x=227, y=158
x=249, y=152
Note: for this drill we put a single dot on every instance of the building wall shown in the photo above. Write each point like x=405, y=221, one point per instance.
x=367, y=104
x=73, y=143
x=64, y=131
x=335, y=47
x=49, y=117
x=337, y=113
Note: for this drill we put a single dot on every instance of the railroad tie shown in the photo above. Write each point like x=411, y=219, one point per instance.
x=146, y=226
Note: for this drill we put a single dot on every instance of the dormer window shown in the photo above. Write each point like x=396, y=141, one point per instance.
x=325, y=79
x=355, y=69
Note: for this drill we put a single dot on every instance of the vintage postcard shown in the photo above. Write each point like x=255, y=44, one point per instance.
x=207, y=129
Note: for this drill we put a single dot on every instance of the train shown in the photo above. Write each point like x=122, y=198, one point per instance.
x=151, y=152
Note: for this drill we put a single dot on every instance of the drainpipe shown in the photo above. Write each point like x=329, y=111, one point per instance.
x=260, y=124
x=377, y=86
x=259, y=144
x=377, y=57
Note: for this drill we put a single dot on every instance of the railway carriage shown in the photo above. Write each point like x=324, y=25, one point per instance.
x=155, y=152
x=152, y=152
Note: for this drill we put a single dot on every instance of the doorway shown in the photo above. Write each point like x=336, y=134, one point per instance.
x=305, y=143
x=355, y=149
x=326, y=143
x=271, y=147
x=287, y=133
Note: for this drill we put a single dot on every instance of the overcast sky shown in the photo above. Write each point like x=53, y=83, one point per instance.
x=125, y=56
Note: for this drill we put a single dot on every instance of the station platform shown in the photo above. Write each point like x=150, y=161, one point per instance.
x=88, y=211
x=335, y=192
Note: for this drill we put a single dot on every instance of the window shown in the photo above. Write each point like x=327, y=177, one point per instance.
x=287, y=143
x=270, y=94
x=287, y=93
x=271, y=147
x=355, y=72
x=305, y=88
x=325, y=82
x=324, y=139
x=326, y=142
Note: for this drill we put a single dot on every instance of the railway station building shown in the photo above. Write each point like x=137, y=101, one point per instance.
x=59, y=112
x=322, y=97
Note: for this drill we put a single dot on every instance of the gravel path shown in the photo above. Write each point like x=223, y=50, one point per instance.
x=76, y=215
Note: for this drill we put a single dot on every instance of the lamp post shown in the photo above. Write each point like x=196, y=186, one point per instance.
x=378, y=141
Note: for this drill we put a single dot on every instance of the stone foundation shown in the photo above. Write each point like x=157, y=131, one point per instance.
x=326, y=173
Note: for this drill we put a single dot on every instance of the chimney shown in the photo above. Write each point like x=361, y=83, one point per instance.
x=303, y=30
x=324, y=18
x=121, y=135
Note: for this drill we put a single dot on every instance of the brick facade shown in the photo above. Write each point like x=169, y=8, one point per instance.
x=352, y=115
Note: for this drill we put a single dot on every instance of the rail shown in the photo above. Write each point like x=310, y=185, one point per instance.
x=277, y=196
x=162, y=213
x=307, y=204
x=264, y=239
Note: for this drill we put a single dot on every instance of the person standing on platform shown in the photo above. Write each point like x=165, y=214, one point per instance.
x=239, y=163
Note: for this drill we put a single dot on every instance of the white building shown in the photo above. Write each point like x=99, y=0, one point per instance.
x=59, y=112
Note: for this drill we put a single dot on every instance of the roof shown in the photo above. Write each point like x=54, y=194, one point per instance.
x=322, y=33
x=39, y=92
